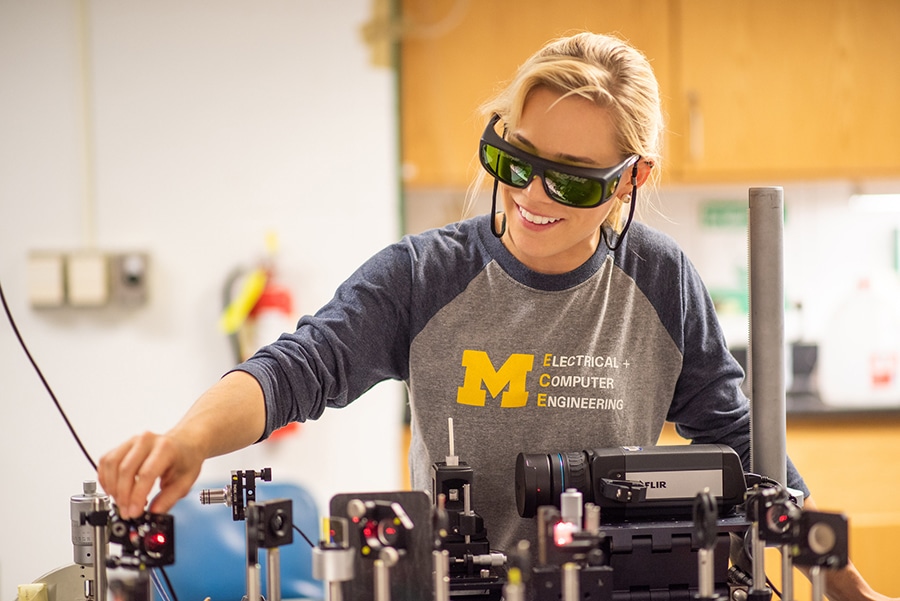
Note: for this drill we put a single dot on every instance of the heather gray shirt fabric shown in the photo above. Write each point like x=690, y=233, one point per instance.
x=523, y=362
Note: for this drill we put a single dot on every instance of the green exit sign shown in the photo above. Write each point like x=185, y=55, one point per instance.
x=723, y=214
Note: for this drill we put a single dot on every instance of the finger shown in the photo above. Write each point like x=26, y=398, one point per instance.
x=177, y=480
x=114, y=473
x=179, y=470
x=136, y=475
x=108, y=469
x=166, y=498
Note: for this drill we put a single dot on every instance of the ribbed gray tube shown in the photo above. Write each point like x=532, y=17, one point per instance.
x=765, y=232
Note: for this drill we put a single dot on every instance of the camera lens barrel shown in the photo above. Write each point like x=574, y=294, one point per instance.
x=542, y=478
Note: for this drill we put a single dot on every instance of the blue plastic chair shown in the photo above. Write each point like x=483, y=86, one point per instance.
x=211, y=549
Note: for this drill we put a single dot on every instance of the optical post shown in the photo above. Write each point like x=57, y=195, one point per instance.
x=268, y=526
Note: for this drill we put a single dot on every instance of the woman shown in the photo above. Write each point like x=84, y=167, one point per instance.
x=555, y=324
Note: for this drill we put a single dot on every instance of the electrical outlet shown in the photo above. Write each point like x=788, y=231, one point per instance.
x=129, y=278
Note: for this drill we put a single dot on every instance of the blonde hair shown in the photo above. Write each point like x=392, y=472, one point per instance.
x=603, y=69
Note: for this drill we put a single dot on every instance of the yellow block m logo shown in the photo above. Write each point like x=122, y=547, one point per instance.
x=480, y=369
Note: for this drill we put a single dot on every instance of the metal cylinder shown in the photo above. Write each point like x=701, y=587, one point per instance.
x=254, y=586
x=592, y=518
x=273, y=573
x=99, y=546
x=382, y=581
x=765, y=232
x=441, y=575
x=332, y=564
x=334, y=592
x=570, y=507
x=758, y=547
x=571, y=589
x=215, y=496
x=787, y=574
x=82, y=532
x=706, y=574
x=817, y=577
x=387, y=558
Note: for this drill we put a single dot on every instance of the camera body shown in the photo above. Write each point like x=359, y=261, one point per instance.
x=634, y=481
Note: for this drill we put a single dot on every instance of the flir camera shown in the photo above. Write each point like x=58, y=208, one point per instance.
x=650, y=481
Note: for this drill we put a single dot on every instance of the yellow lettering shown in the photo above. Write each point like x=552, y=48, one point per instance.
x=510, y=377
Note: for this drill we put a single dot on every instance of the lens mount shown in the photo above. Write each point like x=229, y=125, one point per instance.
x=541, y=479
x=533, y=486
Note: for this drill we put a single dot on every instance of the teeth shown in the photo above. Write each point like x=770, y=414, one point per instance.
x=537, y=218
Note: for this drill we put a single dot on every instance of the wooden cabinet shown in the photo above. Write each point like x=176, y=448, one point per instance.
x=752, y=89
x=456, y=53
x=776, y=90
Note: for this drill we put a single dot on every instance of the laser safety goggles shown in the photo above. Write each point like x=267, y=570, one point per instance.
x=580, y=187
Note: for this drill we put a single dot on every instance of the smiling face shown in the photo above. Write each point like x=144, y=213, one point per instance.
x=543, y=234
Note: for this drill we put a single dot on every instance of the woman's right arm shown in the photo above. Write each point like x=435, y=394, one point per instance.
x=229, y=416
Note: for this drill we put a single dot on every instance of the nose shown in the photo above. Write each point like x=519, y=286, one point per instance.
x=536, y=189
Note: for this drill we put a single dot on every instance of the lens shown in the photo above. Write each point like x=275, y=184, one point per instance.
x=541, y=479
x=509, y=169
x=781, y=517
x=388, y=532
x=572, y=189
x=532, y=483
x=514, y=171
x=491, y=158
x=156, y=543
x=821, y=538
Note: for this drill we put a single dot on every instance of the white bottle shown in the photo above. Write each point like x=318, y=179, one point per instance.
x=859, y=356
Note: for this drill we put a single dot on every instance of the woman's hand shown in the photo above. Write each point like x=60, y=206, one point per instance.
x=129, y=472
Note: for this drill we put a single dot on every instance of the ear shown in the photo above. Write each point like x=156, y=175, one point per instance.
x=644, y=168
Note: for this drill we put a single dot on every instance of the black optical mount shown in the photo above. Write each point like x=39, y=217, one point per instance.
x=460, y=530
x=240, y=493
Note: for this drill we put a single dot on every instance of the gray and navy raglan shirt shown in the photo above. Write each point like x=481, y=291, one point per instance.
x=522, y=361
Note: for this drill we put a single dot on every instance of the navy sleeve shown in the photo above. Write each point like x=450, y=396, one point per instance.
x=359, y=338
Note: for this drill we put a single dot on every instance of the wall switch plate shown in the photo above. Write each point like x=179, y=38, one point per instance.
x=46, y=279
x=129, y=278
x=87, y=279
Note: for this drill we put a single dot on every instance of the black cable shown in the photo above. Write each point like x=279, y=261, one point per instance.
x=168, y=583
x=306, y=538
x=634, y=193
x=12, y=323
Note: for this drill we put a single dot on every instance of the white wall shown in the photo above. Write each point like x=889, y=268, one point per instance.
x=829, y=247
x=212, y=122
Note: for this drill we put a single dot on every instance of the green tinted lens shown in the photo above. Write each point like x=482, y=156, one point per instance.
x=572, y=189
x=490, y=158
x=514, y=171
x=508, y=169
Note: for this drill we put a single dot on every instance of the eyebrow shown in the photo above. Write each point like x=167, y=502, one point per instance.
x=565, y=157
